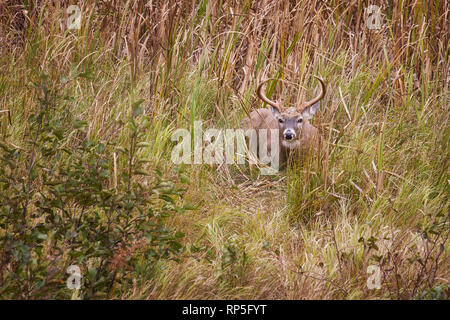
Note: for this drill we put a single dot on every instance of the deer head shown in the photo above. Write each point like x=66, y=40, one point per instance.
x=292, y=120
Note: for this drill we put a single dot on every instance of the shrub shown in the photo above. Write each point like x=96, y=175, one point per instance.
x=63, y=206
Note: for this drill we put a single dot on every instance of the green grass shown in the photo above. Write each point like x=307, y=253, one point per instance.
x=381, y=172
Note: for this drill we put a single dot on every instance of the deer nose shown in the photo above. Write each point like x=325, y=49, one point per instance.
x=289, y=135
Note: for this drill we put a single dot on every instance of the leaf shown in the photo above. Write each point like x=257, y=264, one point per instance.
x=59, y=133
x=100, y=147
x=179, y=234
x=137, y=109
x=143, y=144
x=189, y=206
x=176, y=246
x=41, y=236
x=52, y=183
x=166, y=198
x=141, y=172
x=122, y=149
x=185, y=179
x=87, y=75
x=92, y=273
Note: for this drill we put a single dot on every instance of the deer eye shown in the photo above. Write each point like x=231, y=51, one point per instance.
x=280, y=120
x=300, y=120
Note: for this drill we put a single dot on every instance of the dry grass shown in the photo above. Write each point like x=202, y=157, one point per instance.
x=382, y=171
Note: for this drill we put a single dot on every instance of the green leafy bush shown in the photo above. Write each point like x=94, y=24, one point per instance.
x=68, y=200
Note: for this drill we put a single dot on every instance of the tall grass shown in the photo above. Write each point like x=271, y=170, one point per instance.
x=375, y=194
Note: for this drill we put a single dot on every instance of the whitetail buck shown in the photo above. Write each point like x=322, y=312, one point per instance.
x=296, y=134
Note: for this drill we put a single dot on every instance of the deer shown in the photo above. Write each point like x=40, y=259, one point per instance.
x=296, y=134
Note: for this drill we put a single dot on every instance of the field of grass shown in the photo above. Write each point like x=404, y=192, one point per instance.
x=375, y=194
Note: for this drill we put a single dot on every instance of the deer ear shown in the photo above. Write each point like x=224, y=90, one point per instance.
x=275, y=111
x=309, y=112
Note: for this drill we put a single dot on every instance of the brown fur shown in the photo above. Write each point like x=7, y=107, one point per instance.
x=296, y=134
x=263, y=118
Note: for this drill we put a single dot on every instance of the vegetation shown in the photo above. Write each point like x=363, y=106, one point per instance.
x=86, y=177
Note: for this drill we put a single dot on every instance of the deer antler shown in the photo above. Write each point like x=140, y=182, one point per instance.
x=316, y=99
x=263, y=97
